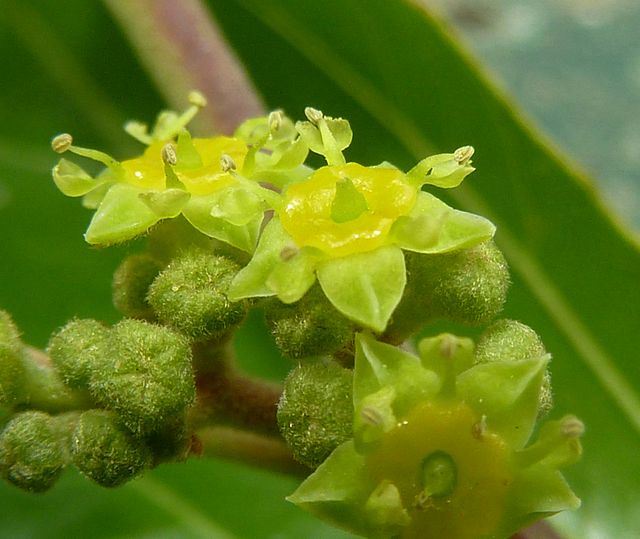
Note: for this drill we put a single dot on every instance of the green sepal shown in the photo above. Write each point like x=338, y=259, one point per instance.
x=293, y=277
x=328, y=137
x=336, y=490
x=121, y=216
x=251, y=281
x=441, y=170
x=378, y=365
x=198, y=212
x=365, y=287
x=92, y=199
x=165, y=204
x=436, y=352
x=72, y=180
x=373, y=418
x=507, y=392
x=237, y=205
x=433, y=227
x=385, y=512
x=537, y=492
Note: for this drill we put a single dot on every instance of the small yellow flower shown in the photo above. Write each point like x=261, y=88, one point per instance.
x=312, y=218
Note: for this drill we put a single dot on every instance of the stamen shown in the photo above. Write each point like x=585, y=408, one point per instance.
x=62, y=143
x=169, y=155
x=571, y=427
x=227, y=163
x=313, y=115
x=197, y=99
x=288, y=253
x=463, y=154
x=275, y=120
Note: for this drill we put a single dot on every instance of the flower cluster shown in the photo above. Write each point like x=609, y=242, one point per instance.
x=328, y=223
x=348, y=262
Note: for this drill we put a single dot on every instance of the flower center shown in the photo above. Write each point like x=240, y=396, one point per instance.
x=346, y=209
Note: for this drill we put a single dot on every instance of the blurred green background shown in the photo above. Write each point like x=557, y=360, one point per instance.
x=574, y=66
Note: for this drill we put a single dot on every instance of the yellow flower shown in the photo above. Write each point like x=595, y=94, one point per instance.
x=374, y=197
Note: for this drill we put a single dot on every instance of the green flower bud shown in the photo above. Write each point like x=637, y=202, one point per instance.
x=12, y=377
x=74, y=349
x=467, y=286
x=308, y=327
x=105, y=451
x=190, y=295
x=9, y=334
x=11, y=367
x=172, y=442
x=31, y=455
x=512, y=340
x=146, y=376
x=315, y=413
x=131, y=282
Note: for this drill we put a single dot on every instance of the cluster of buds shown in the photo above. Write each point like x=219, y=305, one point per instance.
x=347, y=262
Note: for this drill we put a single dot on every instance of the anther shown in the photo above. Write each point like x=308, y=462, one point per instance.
x=169, y=154
x=227, y=163
x=313, y=115
x=463, y=154
x=275, y=120
x=61, y=143
x=448, y=346
x=288, y=253
x=571, y=427
x=197, y=99
x=371, y=416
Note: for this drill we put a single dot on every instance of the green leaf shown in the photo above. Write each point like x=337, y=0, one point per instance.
x=410, y=91
x=365, y=287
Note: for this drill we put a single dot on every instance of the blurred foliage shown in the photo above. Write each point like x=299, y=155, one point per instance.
x=408, y=91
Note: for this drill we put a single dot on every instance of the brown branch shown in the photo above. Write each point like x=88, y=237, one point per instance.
x=183, y=49
x=249, y=448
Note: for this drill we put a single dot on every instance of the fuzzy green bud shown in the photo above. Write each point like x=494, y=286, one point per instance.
x=315, y=413
x=105, y=451
x=12, y=377
x=131, y=282
x=467, y=286
x=512, y=340
x=190, y=295
x=74, y=349
x=146, y=376
x=308, y=327
x=11, y=367
x=9, y=334
x=31, y=455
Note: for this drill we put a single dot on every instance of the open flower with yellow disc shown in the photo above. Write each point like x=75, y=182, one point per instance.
x=204, y=179
x=346, y=225
x=439, y=446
